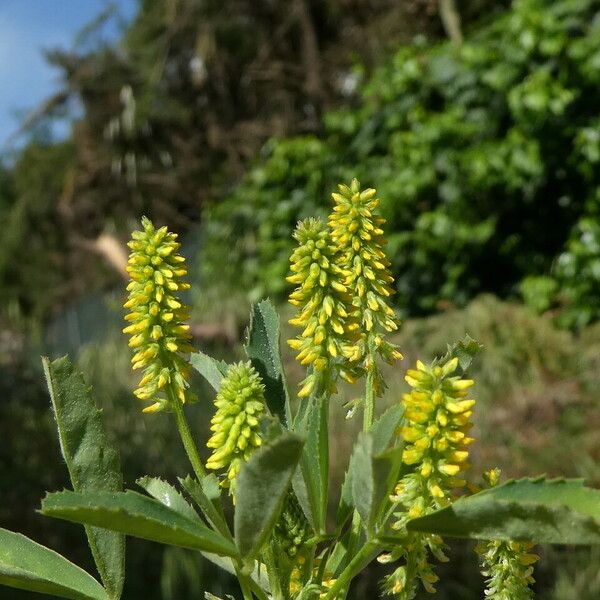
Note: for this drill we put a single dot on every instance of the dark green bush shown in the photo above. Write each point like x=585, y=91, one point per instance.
x=486, y=157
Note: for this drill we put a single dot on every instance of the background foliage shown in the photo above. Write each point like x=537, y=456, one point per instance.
x=486, y=156
x=168, y=116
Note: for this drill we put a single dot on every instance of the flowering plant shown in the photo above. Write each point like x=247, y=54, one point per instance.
x=406, y=486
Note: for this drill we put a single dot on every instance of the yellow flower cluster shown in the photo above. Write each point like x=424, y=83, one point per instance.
x=323, y=300
x=357, y=234
x=436, y=422
x=327, y=579
x=159, y=334
x=403, y=581
x=236, y=426
x=344, y=286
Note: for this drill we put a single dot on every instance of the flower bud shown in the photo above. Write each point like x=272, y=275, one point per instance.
x=508, y=569
x=236, y=424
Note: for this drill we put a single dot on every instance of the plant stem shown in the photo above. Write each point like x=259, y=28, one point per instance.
x=369, y=411
x=362, y=558
x=245, y=585
x=186, y=436
x=368, y=416
x=212, y=511
x=451, y=21
x=278, y=580
x=258, y=591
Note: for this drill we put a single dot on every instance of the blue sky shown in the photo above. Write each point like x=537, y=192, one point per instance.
x=27, y=27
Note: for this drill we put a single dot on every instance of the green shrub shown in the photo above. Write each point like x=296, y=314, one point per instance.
x=486, y=156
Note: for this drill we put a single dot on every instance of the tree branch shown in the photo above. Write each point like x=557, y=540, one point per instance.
x=451, y=21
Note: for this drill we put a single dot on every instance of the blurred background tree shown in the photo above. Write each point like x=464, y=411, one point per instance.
x=229, y=121
x=170, y=114
x=486, y=153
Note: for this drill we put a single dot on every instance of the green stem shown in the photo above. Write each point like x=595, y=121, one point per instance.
x=258, y=591
x=212, y=511
x=213, y=514
x=362, y=558
x=244, y=582
x=369, y=412
x=209, y=509
x=186, y=435
x=279, y=580
x=368, y=417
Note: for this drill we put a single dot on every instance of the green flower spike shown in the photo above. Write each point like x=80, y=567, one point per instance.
x=236, y=424
x=506, y=565
x=436, y=422
x=323, y=301
x=159, y=335
x=291, y=529
x=356, y=232
x=508, y=568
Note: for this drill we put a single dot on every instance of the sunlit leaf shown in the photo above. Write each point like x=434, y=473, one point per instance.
x=263, y=349
x=26, y=565
x=93, y=462
x=558, y=511
x=136, y=515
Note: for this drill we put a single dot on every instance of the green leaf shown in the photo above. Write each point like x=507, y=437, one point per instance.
x=382, y=433
x=207, y=496
x=210, y=368
x=385, y=428
x=263, y=350
x=93, y=462
x=373, y=479
x=554, y=511
x=137, y=515
x=261, y=487
x=166, y=494
x=26, y=565
x=465, y=350
x=311, y=480
x=210, y=485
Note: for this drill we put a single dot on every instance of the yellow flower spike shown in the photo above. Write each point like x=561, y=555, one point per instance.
x=436, y=421
x=438, y=429
x=236, y=425
x=356, y=231
x=325, y=308
x=157, y=318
